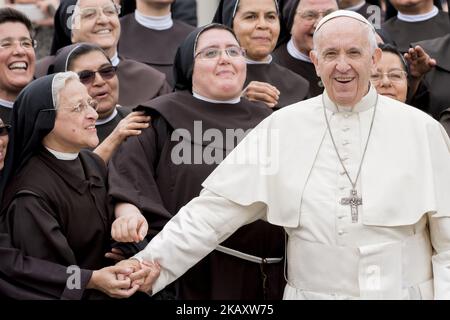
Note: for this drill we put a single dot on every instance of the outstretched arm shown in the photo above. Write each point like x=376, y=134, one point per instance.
x=197, y=229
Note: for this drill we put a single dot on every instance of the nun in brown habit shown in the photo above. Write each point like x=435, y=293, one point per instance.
x=158, y=172
x=438, y=79
x=294, y=54
x=152, y=40
x=55, y=212
x=115, y=123
x=257, y=27
x=139, y=82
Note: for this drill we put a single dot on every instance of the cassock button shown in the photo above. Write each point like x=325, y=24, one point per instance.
x=340, y=232
x=342, y=173
x=345, y=143
x=346, y=115
x=345, y=129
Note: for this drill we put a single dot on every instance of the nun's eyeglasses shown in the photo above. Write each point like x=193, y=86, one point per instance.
x=214, y=53
x=109, y=10
x=79, y=107
x=88, y=76
x=84, y=106
x=4, y=130
x=25, y=43
x=312, y=15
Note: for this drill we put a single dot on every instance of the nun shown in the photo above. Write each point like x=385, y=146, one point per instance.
x=54, y=198
x=257, y=27
x=192, y=131
x=115, y=123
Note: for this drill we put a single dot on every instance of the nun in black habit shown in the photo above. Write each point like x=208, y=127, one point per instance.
x=185, y=143
x=54, y=203
x=257, y=27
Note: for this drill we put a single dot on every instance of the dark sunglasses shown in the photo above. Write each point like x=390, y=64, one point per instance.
x=4, y=130
x=87, y=76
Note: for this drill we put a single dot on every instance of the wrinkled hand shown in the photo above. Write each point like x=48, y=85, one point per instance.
x=116, y=254
x=419, y=62
x=131, y=264
x=114, y=281
x=130, y=227
x=262, y=91
x=131, y=125
x=146, y=276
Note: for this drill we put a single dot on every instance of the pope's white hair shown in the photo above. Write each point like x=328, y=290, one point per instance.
x=368, y=30
x=59, y=82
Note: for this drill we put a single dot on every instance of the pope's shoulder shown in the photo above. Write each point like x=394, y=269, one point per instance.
x=309, y=109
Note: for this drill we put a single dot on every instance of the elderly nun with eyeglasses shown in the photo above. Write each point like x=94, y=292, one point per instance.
x=155, y=174
x=54, y=197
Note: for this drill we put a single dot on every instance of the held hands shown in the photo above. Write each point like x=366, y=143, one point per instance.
x=114, y=281
x=144, y=275
x=125, y=278
x=262, y=91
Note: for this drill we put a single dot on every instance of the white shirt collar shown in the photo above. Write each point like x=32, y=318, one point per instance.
x=65, y=156
x=115, y=59
x=268, y=61
x=357, y=6
x=418, y=17
x=155, y=23
x=295, y=53
x=6, y=103
x=366, y=103
x=108, y=119
x=231, y=101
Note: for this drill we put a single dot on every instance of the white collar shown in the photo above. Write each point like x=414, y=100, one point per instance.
x=107, y=119
x=155, y=23
x=268, y=61
x=115, y=59
x=295, y=53
x=231, y=101
x=418, y=17
x=6, y=103
x=65, y=156
x=357, y=6
x=366, y=103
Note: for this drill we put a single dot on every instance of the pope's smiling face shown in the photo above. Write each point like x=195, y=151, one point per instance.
x=344, y=60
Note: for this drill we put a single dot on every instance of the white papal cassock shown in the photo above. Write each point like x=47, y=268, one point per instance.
x=287, y=172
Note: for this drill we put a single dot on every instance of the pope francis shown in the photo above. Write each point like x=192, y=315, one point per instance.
x=359, y=181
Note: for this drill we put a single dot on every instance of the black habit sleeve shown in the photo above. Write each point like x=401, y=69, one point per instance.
x=23, y=277
x=35, y=230
x=132, y=172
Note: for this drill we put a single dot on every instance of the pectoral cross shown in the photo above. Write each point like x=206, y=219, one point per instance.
x=353, y=201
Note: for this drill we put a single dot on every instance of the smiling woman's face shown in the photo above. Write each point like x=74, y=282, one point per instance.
x=257, y=27
x=105, y=91
x=393, y=82
x=221, y=77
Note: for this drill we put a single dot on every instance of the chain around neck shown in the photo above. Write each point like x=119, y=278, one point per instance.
x=335, y=146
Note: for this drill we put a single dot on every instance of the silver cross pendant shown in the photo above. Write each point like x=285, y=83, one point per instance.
x=353, y=201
